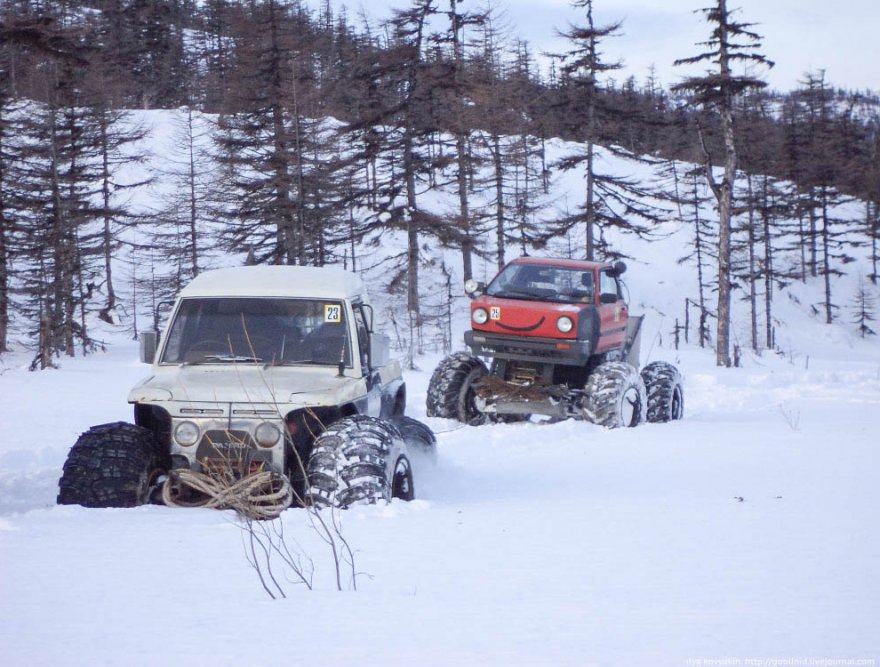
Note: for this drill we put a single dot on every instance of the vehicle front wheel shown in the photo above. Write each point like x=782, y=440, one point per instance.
x=451, y=389
x=111, y=465
x=615, y=396
x=350, y=464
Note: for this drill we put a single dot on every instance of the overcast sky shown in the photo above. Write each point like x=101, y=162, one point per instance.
x=839, y=36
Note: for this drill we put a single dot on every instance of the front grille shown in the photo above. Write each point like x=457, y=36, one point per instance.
x=225, y=445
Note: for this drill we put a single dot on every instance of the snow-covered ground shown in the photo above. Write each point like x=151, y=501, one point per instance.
x=747, y=530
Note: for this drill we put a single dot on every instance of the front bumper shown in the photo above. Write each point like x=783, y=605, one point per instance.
x=567, y=352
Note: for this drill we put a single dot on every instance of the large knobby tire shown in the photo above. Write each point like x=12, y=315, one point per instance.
x=111, y=465
x=420, y=439
x=450, y=390
x=665, y=392
x=349, y=464
x=615, y=396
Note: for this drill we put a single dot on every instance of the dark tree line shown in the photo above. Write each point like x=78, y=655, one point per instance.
x=325, y=134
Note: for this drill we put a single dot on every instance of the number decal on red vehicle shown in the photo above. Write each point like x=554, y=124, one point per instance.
x=495, y=313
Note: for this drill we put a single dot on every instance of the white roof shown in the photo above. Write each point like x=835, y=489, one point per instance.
x=324, y=282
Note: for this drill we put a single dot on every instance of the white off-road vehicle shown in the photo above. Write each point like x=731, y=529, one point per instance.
x=269, y=387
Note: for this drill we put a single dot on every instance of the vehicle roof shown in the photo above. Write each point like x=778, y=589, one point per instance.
x=274, y=280
x=580, y=264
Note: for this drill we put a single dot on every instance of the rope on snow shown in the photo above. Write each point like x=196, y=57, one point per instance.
x=262, y=495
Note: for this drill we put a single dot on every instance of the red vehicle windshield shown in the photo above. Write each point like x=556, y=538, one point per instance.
x=540, y=282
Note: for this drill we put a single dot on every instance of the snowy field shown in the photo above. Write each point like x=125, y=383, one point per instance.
x=748, y=530
x=745, y=534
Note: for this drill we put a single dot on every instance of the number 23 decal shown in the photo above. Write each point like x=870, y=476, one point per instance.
x=332, y=313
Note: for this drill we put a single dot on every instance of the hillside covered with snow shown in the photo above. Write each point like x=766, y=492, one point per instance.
x=745, y=531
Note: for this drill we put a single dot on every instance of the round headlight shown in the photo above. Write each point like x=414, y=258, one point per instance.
x=471, y=286
x=480, y=315
x=267, y=434
x=564, y=324
x=186, y=434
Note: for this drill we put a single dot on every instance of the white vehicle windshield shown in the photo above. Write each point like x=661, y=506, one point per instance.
x=540, y=282
x=258, y=330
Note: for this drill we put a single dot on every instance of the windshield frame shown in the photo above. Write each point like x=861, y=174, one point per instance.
x=512, y=282
x=187, y=328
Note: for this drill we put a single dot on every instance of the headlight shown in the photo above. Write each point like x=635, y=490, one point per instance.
x=564, y=324
x=480, y=316
x=471, y=286
x=186, y=434
x=267, y=434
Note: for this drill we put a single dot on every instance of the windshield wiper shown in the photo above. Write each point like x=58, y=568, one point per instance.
x=231, y=358
x=513, y=294
x=294, y=362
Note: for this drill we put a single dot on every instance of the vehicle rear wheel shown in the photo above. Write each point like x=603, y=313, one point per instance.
x=349, y=464
x=615, y=396
x=451, y=389
x=111, y=465
x=419, y=437
x=665, y=392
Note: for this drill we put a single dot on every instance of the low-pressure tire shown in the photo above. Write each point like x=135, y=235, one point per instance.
x=615, y=396
x=665, y=392
x=111, y=465
x=451, y=389
x=419, y=437
x=349, y=464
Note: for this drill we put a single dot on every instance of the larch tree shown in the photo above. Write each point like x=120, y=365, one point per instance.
x=611, y=201
x=730, y=43
x=257, y=152
x=462, y=122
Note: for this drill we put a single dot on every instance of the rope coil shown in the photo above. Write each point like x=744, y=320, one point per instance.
x=261, y=496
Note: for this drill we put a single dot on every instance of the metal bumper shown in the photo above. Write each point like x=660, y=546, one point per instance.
x=567, y=352
x=493, y=395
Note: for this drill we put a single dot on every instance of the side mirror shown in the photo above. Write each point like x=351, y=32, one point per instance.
x=618, y=269
x=380, y=350
x=149, y=341
x=474, y=288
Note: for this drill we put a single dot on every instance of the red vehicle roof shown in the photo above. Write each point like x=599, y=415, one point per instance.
x=581, y=264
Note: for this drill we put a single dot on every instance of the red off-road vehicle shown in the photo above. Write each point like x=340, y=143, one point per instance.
x=560, y=342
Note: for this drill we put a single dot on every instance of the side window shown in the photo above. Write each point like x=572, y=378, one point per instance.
x=608, y=288
x=363, y=333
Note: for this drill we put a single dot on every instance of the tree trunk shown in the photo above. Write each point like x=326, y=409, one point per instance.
x=753, y=278
x=463, y=212
x=826, y=256
x=193, y=198
x=4, y=269
x=698, y=241
x=590, y=212
x=724, y=195
x=412, y=232
x=768, y=264
x=874, y=231
x=108, y=232
x=499, y=200
x=814, y=251
x=461, y=148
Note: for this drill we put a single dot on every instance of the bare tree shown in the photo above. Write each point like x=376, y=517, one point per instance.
x=731, y=42
x=610, y=201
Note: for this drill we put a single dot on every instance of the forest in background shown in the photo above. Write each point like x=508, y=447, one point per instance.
x=327, y=128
